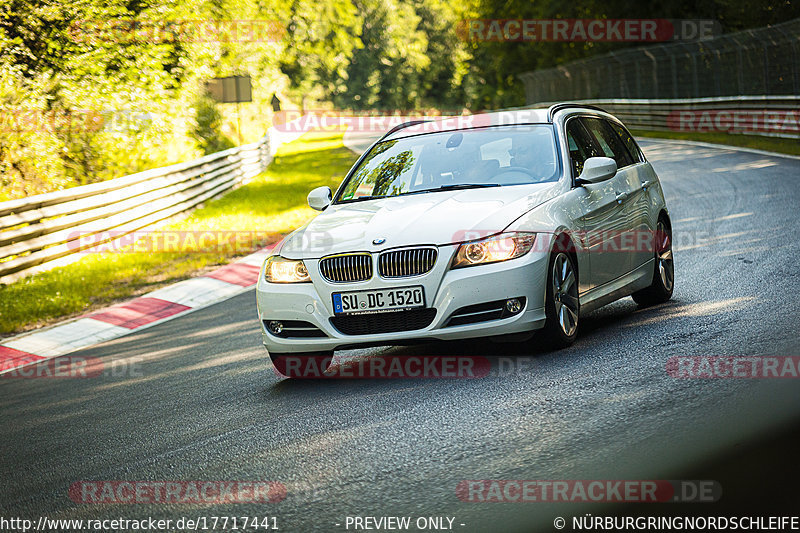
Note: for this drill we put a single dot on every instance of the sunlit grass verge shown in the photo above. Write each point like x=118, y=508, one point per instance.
x=757, y=142
x=272, y=204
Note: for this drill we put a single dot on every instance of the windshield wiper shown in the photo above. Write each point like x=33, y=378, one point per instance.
x=454, y=187
x=469, y=186
x=360, y=199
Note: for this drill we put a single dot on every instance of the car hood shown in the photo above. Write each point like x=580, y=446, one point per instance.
x=436, y=218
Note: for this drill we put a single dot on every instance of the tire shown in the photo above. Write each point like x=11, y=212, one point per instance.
x=306, y=365
x=562, y=306
x=660, y=290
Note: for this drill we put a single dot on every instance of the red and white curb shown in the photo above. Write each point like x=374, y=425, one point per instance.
x=142, y=312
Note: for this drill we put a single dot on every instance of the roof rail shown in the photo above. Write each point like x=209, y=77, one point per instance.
x=402, y=126
x=553, y=109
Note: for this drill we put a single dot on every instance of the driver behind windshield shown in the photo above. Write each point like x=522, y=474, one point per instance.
x=531, y=155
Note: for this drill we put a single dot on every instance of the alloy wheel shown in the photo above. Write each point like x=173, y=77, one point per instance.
x=666, y=267
x=565, y=294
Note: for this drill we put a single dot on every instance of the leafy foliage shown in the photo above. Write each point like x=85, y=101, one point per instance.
x=207, y=130
x=93, y=90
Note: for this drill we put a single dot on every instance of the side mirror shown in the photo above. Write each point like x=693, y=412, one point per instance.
x=597, y=169
x=320, y=198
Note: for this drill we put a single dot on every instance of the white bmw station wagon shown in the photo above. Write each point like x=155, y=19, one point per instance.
x=511, y=223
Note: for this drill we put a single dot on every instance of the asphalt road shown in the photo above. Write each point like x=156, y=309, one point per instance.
x=197, y=399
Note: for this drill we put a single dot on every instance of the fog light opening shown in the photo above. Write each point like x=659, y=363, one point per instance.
x=275, y=327
x=513, y=305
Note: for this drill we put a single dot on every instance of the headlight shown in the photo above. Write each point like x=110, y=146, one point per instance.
x=280, y=270
x=498, y=248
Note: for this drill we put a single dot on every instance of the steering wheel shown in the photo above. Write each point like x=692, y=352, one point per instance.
x=521, y=170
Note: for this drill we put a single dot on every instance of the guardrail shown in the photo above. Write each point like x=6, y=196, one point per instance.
x=774, y=116
x=37, y=231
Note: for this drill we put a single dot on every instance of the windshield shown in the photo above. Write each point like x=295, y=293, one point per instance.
x=487, y=157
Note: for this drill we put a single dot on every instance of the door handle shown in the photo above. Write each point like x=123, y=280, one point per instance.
x=646, y=184
x=621, y=197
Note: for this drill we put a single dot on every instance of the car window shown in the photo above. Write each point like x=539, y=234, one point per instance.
x=499, y=150
x=628, y=141
x=609, y=142
x=581, y=146
x=501, y=155
x=387, y=170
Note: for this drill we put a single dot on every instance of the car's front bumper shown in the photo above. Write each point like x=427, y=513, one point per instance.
x=446, y=291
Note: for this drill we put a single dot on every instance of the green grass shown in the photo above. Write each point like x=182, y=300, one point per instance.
x=272, y=204
x=758, y=142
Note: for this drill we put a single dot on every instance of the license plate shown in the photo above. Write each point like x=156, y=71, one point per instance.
x=378, y=300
